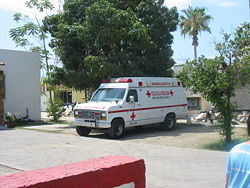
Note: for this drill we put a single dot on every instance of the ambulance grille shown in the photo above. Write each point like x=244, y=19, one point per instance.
x=88, y=114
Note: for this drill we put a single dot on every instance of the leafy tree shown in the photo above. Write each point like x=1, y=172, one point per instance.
x=109, y=38
x=217, y=79
x=55, y=108
x=160, y=22
x=242, y=40
x=194, y=21
x=30, y=32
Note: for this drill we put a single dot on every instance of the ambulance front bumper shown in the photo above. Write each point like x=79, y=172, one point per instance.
x=91, y=123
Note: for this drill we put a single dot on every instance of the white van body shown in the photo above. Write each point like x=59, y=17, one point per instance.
x=132, y=101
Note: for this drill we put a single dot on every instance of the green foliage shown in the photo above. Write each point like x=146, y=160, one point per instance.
x=55, y=108
x=242, y=46
x=9, y=117
x=110, y=38
x=31, y=35
x=194, y=20
x=40, y=5
x=217, y=79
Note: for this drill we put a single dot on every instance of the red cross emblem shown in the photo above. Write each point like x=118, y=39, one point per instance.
x=133, y=116
x=171, y=92
x=148, y=93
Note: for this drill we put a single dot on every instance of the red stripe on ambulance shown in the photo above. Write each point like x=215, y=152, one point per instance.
x=149, y=108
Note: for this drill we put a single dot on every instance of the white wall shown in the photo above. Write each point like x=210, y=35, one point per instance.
x=43, y=102
x=22, y=82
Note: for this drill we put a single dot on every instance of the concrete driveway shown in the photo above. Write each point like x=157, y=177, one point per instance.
x=171, y=167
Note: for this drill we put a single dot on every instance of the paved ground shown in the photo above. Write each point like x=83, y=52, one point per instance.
x=165, y=166
x=184, y=135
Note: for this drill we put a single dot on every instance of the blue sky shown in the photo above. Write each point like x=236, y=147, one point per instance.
x=227, y=14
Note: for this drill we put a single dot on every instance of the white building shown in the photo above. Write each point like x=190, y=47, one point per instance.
x=22, y=83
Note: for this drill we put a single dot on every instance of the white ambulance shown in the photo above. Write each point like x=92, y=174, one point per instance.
x=132, y=101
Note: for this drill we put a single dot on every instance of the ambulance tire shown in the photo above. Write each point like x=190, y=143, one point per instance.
x=169, y=122
x=117, y=129
x=83, y=131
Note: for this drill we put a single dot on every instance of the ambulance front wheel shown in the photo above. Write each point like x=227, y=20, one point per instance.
x=117, y=128
x=83, y=131
x=169, y=122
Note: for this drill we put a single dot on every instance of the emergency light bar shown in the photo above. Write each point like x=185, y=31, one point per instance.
x=125, y=80
x=121, y=80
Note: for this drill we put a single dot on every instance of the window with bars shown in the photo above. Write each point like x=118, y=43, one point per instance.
x=66, y=96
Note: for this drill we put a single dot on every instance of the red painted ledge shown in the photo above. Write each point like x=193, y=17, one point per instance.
x=105, y=172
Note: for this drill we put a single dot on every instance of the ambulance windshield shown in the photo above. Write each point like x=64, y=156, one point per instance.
x=108, y=95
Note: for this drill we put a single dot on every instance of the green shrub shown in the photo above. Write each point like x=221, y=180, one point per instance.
x=55, y=108
x=9, y=117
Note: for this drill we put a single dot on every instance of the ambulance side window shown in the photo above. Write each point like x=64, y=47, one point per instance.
x=132, y=92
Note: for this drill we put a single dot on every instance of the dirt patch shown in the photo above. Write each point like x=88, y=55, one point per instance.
x=188, y=136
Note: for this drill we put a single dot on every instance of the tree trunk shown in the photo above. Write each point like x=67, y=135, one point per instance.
x=228, y=119
x=225, y=126
x=229, y=134
x=195, y=44
x=195, y=53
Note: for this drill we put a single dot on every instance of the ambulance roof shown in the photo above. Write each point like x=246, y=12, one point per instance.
x=145, y=81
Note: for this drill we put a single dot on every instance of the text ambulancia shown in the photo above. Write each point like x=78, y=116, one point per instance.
x=132, y=101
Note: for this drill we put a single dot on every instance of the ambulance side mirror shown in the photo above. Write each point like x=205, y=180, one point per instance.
x=131, y=99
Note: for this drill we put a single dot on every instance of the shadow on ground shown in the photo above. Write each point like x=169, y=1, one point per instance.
x=156, y=131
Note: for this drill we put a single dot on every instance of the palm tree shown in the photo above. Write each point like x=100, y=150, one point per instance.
x=193, y=22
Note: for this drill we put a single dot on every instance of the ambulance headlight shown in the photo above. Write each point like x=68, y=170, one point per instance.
x=77, y=113
x=103, y=116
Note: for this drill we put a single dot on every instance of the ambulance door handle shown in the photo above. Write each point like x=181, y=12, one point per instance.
x=138, y=104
